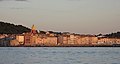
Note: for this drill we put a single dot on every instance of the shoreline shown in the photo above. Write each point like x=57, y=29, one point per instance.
x=60, y=46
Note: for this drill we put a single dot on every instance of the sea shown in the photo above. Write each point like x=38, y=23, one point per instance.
x=59, y=55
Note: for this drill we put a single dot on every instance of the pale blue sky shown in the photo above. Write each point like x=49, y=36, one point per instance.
x=79, y=16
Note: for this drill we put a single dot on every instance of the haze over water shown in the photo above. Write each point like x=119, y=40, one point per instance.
x=59, y=55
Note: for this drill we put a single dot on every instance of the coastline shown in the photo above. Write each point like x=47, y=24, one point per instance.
x=67, y=46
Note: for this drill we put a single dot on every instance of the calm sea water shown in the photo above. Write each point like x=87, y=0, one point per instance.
x=59, y=55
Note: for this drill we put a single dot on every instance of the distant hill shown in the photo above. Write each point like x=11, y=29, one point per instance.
x=113, y=35
x=8, y=28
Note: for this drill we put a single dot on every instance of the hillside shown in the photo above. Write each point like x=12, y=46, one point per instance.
x=113, y=35
x=8, y=28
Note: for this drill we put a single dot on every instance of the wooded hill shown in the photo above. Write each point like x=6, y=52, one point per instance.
x=113, y=35
x=8, y=28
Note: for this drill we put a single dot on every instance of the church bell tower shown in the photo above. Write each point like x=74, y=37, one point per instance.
x=33, y=30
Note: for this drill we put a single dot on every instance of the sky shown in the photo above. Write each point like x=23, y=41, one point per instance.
x=75, y=16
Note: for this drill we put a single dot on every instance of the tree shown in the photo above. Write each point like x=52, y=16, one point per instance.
x=7, y=28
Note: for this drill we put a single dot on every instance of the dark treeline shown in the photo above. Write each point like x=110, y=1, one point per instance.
x=7, y=28
x=113, y=35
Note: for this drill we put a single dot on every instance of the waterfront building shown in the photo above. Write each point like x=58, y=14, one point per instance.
x=30, y=39
x=118, y=41
x=41, y=39
x=109, y=41
x=20, y=39
x=86, y=40
x=65, y=39
x=27, y=39
x=5, y=41
x=14, y=43
x=60, y=39
x=71, y=39
x=49, y=38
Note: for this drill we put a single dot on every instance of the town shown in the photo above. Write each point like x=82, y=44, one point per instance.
x=55, y=39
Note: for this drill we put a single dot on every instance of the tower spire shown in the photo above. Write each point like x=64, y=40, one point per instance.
x=33, y=29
